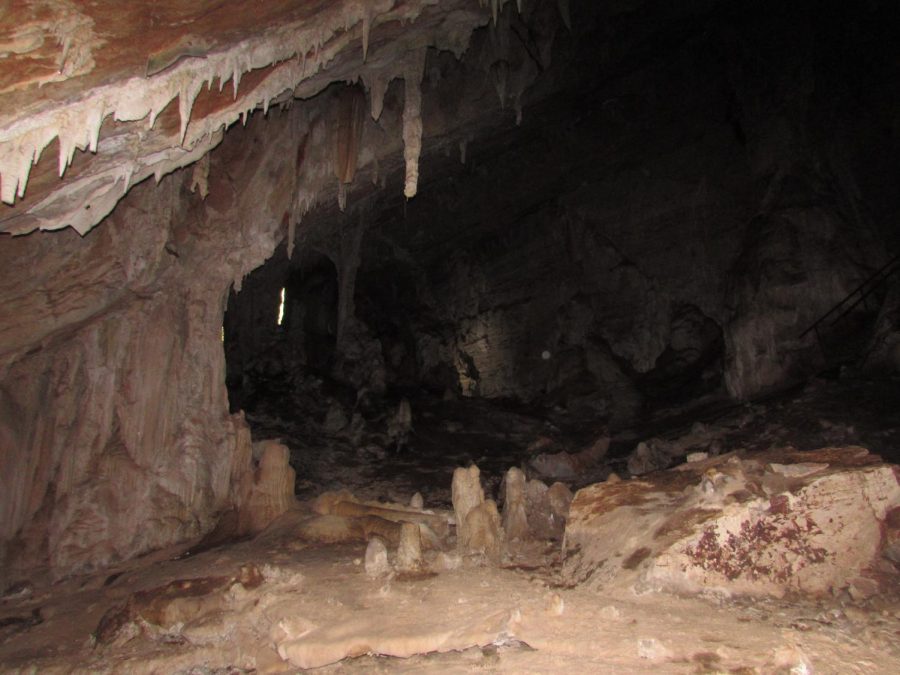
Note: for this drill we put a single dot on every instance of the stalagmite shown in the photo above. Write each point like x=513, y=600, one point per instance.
x=467, y=493
x=273, y=487
x=483, y=534
x=515, y=520
x=409, y=553
x=412, y=121
x=377, y=564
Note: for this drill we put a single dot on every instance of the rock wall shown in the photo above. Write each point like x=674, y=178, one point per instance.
x=116, y=434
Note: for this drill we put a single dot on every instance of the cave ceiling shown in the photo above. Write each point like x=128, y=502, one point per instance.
x=98, y=96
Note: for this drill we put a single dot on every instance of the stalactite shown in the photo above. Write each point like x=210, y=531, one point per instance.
x=347, y=132
x=377, y=85
x=366, y=28
x=412, y=120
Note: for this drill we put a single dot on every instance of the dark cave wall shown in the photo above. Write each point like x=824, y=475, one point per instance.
x=696, y=203
x=672, y=226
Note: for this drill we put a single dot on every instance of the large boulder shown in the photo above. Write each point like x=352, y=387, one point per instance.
x=762, y=525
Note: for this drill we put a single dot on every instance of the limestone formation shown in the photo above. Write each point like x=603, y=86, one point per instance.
x=483, y=534
x=377, y=564
x=467, y=494
x=343, y=503
x=400, y=425
x=766, y=524
x=272, y=491
x=409, y=552
x=515, y=519
x=560, y=498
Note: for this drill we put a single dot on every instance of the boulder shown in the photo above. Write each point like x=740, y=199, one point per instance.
x=761, y=524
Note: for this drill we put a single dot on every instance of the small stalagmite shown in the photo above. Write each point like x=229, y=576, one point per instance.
x=478, y=528
x=272, y=492
x=467, y=493
x=515, y=519
x=409, y=553
x=483, y=534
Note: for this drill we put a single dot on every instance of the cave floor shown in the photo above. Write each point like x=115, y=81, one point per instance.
x=319, y=605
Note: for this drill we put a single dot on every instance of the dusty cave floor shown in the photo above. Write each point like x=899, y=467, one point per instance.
x=518, y=618
x=491, y=620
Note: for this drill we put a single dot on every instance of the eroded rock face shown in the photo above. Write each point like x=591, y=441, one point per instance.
x=767, y=524
x=121, y=440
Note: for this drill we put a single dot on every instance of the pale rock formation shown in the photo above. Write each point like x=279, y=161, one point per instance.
x=467, y=493
x=299, y=50
x=560, y=497
x=377, y=564
x=272, y=489
x=531, y=510
x=344, y=504
x=515, y=520
x=409, y=552
x=765, y=524
x=483, y=534
x=400, y=425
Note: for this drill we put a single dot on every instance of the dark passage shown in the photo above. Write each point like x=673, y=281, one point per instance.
x=639, y=257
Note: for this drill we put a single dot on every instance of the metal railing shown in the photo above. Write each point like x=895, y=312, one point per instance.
x=854, y=298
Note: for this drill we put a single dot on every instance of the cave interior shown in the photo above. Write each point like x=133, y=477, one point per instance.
x=592, y=242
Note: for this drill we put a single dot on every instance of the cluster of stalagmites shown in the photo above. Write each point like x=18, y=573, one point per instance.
x=410, y=539
x=817, y=523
